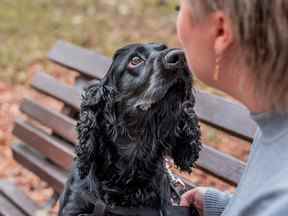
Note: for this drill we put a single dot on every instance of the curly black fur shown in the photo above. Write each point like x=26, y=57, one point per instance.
x=129, y=122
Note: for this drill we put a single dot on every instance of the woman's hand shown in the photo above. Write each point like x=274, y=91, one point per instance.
x=194, y=197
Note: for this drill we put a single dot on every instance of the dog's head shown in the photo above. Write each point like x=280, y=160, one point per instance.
x=146, y=97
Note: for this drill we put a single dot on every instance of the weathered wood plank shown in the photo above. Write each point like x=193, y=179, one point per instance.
x=212, y=109
x=61, y=124
x=47, y=171
x=223, y=114
x=221, y=165
x=48, y=85
x=55, y=149
x=212, y=161
x=8, y=209
x=18, y=198
x=88, y=63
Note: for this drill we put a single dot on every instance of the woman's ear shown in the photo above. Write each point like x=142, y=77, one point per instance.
x=223, y=31
x=96, y=116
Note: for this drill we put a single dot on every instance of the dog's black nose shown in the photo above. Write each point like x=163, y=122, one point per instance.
x=174, y=59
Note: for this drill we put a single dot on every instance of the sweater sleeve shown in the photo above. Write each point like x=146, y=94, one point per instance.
x=215, y=202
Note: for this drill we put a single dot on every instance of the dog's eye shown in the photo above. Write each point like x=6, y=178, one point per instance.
x=135, y=62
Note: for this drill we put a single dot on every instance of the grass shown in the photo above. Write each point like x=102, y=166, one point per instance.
x=29, y=28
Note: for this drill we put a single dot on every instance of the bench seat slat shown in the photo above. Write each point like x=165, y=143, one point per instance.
x=61, y=124
x=55, y=149
x=50, y=173
x=48, y=85
x=18, y=198
x=87, y=62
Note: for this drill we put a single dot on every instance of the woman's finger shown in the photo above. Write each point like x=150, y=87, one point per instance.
x=188, y=198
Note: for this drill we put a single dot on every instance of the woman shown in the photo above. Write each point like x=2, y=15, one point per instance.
x=241, y=48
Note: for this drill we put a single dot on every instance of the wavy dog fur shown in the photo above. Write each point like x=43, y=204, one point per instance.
x=122, y=146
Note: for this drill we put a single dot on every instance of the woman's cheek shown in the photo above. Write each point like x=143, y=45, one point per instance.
x=197, y=65
x=184, y=31
x=184, y=37
x=189, y=59
x=196, y=46
x=192, y=62
x=180, y=29
x=184, y=34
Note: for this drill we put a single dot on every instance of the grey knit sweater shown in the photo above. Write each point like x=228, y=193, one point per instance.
x=263, y=188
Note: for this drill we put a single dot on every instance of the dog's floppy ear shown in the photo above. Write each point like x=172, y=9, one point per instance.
x=187, y=147
x=95, y=118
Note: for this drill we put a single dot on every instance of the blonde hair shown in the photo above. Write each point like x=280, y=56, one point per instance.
x=261, y=28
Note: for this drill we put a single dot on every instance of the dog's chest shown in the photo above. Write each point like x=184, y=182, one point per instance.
x=133, y=180
x=128, y=196
x=132, y=187
x=126, y=146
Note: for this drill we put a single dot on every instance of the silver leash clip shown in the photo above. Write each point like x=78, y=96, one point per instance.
x=176, y=181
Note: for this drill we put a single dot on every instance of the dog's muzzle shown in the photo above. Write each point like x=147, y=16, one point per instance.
x=174, y=59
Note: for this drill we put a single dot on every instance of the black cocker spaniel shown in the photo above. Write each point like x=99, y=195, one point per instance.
x=141, y=112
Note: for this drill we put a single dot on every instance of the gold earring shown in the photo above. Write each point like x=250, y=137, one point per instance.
x=217, y=69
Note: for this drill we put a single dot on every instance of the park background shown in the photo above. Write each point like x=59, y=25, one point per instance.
x=29, y=29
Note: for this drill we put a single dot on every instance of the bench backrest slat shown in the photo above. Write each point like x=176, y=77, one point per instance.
x=48, y=171
x=48, y=85
x=55, y=176
x=71, y=96
x=222, y=114
x=55, y=149
x=7, y=208
x=61, y=124
x=57, y=146
x=17, y=198
x=221, y=165
x=91, y=64
x=211, y=160
x=225, y=115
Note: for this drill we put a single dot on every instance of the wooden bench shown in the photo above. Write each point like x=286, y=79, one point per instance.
x=50, y=154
